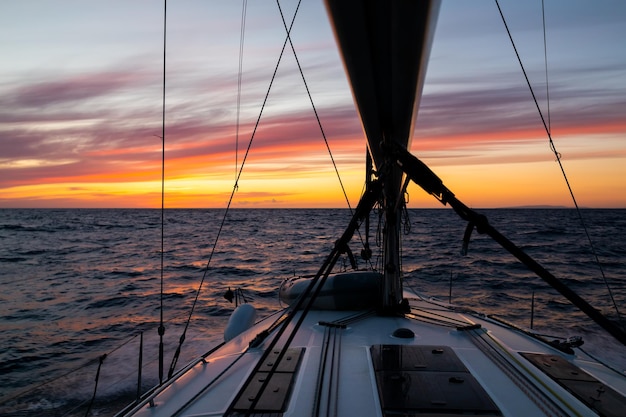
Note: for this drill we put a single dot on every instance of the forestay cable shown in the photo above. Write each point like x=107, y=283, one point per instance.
x=558, y=159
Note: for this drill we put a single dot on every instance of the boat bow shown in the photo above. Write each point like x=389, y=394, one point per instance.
x=328, y=354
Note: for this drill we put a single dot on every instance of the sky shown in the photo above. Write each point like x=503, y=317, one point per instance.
x=81, y=105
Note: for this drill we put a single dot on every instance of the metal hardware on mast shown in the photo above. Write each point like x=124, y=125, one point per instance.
x=392, y=290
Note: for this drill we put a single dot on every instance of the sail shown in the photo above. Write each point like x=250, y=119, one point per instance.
x=385, y=47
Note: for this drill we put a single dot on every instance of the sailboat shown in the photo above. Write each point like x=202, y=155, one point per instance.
x=360, y=344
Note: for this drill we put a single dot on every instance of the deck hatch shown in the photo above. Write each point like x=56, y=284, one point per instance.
x=606, y=401
x=427, y=380
x=273, y=399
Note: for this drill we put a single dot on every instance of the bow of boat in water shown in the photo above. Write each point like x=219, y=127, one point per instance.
x=434, y=360
x=358, y=344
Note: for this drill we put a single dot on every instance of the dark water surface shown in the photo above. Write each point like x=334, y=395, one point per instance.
x=77, y=284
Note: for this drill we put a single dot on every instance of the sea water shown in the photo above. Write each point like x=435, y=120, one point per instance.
x=79, y=284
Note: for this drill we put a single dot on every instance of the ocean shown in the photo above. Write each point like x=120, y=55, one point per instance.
x=78, y=284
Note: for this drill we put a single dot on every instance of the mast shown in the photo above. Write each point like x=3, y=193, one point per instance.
x=385, y=47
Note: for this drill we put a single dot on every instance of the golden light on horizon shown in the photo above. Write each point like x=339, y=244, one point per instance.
x=81, y=121
x=303, y=176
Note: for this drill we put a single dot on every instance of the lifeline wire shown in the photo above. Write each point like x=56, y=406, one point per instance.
x=63, y=375
x=558, y=159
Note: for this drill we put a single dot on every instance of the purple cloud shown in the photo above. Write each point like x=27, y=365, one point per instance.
x=71, y=90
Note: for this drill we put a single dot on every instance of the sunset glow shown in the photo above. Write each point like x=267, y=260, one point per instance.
x=80, y=100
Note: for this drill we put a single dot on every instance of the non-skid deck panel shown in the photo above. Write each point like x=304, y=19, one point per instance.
x=604, y=400
x=427, y=380
x=272, y=399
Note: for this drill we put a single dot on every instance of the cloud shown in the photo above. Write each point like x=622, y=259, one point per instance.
x=105, y=126
x=462, y=122
x=70, y=90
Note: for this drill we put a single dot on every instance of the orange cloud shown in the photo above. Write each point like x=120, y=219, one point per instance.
x=118, y=163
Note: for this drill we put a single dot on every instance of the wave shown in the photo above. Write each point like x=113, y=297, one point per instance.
x=12, y=259
x=118, y=301
x=77, y=283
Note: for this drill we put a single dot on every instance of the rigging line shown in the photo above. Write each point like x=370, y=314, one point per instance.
x=321, y=372
x=436, y=316
x=558, y=159
x=338, y=374
x=258, y=120
x=161, y=329
x=219, y=232
x=353, y=318
x=430, y=320
x=100, y=360
x=305, y=301
x=545, y=60
x=239, y=79
x=204, y=389
x=335, y=368
x=318, y=282
x=156, y=390
x=308, y=296
x=601, y=361
x=319, y=122
x=181, y=340
x=306, y=86
x=506, y=362
x=95, y=388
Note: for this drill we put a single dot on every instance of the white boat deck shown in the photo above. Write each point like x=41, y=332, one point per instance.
x=330, y=370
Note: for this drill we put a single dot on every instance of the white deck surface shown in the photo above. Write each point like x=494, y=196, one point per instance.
x=208, y=389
